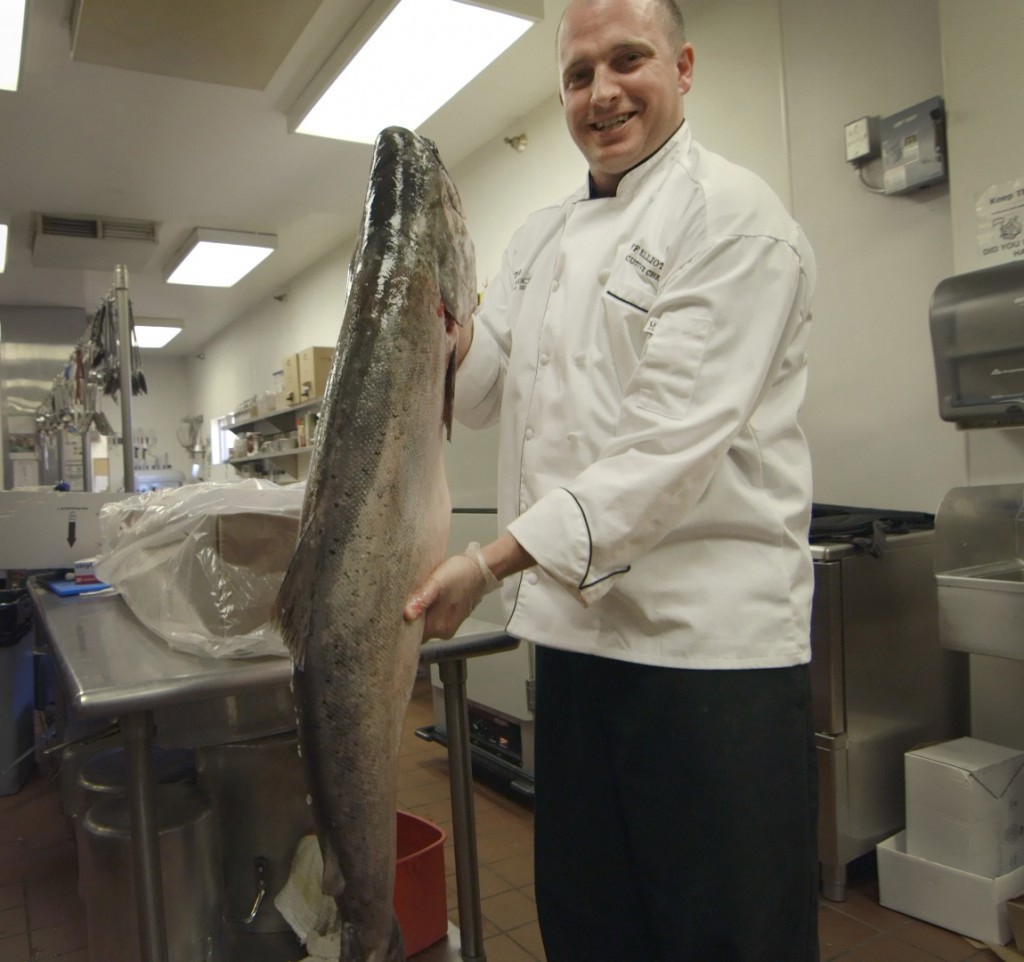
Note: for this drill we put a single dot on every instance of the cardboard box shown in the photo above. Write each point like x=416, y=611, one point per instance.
x=291, y=379
x=50, y=529
x=1015, y=909
x=85, y=572
x=965, y=806
x=1007, y=953
x=945, y=896
x=314, y=367
x=263, y=543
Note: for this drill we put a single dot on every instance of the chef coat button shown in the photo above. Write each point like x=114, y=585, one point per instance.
x=531, y=577
x=522, y=506
x=602, y=277
x=554, y=284
x=543, y=359
x=528, y=433
x=580, y=358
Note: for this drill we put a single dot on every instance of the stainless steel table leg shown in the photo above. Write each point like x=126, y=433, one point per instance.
x=467, y=874
x=145, y=839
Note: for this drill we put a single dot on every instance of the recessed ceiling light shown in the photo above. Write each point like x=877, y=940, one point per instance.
x=155, y=331
x=218, y=258
x=12, y=30
x=402, y=61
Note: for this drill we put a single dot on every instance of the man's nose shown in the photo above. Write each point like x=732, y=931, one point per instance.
x=605, y=87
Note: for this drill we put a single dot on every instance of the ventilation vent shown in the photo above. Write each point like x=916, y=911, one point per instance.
x=92, y=243
x=68, y=226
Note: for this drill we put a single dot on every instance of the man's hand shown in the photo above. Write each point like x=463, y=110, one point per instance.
x=454, y=588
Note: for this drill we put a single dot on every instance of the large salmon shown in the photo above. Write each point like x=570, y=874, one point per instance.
x=375, y=523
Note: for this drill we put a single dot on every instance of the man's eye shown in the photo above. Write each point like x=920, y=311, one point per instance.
x=576, y=78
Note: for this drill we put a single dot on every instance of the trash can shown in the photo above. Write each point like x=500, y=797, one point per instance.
x=17, y=690
x=190, y=872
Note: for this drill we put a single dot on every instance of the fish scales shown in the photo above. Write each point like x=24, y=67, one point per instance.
x=374, y=524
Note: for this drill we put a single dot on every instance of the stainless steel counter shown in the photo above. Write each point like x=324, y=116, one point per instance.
x=111, y=665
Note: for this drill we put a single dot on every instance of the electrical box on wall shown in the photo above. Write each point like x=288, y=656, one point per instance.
x=861, y=138
x=914, y=147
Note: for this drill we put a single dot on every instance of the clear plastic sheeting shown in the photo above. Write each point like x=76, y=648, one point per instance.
x=201, y=565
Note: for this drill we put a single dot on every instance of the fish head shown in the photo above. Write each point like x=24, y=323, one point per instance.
x=414, y=201
x=425, y=190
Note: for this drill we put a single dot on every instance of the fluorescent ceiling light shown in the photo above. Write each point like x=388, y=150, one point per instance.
x=218, y=258
x=3, y=247
x=156, y=331
x=12, y=28
x=402, y=61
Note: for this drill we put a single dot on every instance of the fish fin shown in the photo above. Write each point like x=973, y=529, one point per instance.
x=333, y=883
x=293, y=610
x=449, y=394
x=396, y=947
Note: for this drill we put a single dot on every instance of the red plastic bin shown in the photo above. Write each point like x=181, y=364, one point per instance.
x=421, y=901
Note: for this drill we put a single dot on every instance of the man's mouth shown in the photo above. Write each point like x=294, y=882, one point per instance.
x=603, y=126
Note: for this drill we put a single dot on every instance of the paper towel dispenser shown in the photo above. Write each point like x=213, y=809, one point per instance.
x=977, y=328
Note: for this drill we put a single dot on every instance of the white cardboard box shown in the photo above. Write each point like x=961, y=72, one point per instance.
x=50, y=529
x=965, y=806
x=965, y=903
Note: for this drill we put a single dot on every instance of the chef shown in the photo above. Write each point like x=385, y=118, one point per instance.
x=643, y=351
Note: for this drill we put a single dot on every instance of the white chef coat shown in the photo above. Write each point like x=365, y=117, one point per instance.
x=646, y=356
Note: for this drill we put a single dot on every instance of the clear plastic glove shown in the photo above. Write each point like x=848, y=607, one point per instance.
x=450, y=593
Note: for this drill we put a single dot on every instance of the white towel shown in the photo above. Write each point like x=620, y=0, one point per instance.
x=312, y=915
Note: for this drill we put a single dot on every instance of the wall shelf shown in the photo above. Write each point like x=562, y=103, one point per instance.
x=283, y=419
x=270, y=456
x=292, y=461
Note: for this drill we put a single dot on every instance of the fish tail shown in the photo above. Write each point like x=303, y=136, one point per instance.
x=293, y=610
x=351, y=946
x=352, y=949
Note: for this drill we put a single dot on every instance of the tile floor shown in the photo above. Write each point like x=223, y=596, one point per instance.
x=42, y=918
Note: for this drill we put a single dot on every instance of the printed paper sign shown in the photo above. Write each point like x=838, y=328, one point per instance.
x=1000, y=212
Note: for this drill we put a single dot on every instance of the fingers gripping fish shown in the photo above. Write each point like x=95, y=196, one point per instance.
x=374, y=523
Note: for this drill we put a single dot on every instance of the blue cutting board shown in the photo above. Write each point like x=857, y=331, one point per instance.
x=66, y=588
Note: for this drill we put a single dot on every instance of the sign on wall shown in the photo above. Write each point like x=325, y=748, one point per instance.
x=1000, y=215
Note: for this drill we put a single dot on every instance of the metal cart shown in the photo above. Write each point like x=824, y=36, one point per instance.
x=113, y=666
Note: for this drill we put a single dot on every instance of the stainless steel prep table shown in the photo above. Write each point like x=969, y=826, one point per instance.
x=111, y=665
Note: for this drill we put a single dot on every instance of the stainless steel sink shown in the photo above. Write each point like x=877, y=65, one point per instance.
x=979, y=570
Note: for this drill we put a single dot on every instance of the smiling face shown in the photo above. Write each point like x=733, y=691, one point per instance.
x=623, y=68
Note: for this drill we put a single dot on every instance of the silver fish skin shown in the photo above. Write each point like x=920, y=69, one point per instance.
x=374, y=523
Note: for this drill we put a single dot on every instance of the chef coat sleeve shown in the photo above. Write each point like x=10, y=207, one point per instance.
x=717, y=337
x=480, y=379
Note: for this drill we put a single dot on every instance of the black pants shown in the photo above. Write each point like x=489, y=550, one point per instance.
x=676, y=813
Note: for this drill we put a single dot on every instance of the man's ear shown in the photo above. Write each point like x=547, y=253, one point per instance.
x=684, y=68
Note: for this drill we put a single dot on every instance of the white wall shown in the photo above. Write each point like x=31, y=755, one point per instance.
x=157, y=413
x=871, y=412
x=241, y=360
x=986, y=147
x=736, y=105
